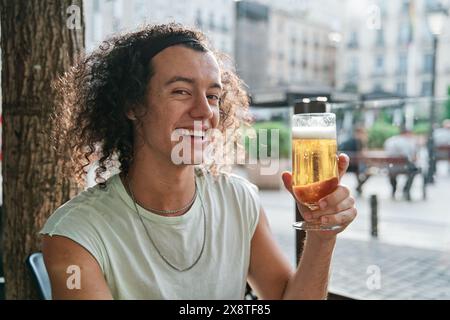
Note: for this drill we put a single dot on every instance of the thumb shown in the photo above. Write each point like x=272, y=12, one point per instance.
x=287, y=180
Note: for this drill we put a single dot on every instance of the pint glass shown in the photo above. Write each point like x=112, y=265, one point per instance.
x=314, y=162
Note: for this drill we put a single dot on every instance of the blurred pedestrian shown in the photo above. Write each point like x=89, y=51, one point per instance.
x=404, y=145
x=442, y=135
x=352, y=147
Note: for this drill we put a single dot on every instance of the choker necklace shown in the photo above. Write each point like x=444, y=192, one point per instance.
x=169, y=211
x=150, y=238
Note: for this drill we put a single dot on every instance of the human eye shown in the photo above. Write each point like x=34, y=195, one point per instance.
x=181, y=92
x=213, y=97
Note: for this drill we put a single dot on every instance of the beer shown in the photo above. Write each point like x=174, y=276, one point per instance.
x=314, y=162
x=315, y=172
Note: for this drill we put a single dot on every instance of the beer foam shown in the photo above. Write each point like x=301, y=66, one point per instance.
x=314, y=133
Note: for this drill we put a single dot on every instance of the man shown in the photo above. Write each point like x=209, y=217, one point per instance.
x=353, y=146
x=404, y=145
x=442, y=135
x=161, y=230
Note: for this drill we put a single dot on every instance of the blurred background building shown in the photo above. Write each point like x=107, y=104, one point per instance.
x=214, y=17
x=277, y=48
x=275, y=45
x=388, y=48
x=355, y=46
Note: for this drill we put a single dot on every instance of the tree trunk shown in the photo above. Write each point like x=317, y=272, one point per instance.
x=38, y=44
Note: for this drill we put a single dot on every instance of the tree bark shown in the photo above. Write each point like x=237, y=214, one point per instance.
x=37, y=45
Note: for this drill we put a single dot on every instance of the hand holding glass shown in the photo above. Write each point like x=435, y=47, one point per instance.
x=314, y=162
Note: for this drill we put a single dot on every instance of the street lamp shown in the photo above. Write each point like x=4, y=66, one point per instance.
x=436, y=19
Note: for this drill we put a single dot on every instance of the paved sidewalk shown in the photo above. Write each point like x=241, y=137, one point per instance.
x=376, y=270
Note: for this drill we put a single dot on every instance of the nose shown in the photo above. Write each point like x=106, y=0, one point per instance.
x=201, y=108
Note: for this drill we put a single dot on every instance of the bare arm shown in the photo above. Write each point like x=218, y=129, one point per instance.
x=271, y=275
x=310, y=281
x=60, y=253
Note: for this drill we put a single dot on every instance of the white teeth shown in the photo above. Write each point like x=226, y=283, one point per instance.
x=188, y=132
x=184, y=132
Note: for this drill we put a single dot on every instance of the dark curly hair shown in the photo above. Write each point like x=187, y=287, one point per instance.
x=95, y=95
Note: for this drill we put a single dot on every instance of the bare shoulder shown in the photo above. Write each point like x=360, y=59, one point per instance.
x=64, y=258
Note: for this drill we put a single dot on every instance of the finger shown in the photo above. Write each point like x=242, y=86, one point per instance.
x=342, y=218
x=343, y=162
x=286, y=176
x=346, y=204
x=334, y=198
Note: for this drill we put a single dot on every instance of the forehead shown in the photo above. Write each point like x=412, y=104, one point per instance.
x=178, y=60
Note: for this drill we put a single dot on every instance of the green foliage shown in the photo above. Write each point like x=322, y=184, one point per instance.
x=284, y=143
x=379, y=132
x=421, y=127
x=385, y=116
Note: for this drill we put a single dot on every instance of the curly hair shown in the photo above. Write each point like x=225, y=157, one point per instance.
x=96, y=93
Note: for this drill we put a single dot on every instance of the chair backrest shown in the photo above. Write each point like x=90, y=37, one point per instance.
x=35, y=263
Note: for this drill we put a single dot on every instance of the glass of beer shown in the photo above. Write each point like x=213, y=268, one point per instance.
x=314, y=162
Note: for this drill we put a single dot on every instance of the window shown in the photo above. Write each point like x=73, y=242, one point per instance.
x=353, y=68
x=401, y=88
x=353, y=40
x=225, y=27
x=293, y=52
x=378, y=87
x=350, y=87
x=379, y=62
x=405, y=5
x=379, y=65
x=96, y=6
x=379, y=42
x=305, y=42
x=426, y=88
x=382, y=5
x=405, y=34
x=431, y=4
x=402, y=63
x=428, y=63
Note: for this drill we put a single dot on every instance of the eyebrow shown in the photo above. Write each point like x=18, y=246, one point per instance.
x=190, y=81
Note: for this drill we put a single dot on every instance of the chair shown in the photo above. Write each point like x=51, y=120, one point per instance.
x=249, y=293
x=35, y=263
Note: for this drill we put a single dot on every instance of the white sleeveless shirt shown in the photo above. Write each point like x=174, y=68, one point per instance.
x=105, y=223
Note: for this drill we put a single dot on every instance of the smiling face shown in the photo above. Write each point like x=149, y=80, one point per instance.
x=185, y=87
